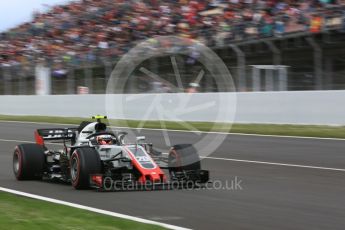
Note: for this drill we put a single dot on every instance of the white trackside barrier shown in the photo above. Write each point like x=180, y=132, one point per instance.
x=305, y=107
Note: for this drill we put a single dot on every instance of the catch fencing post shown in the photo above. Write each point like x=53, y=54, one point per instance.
x=241, y=67
x=21, y=80
x=317, y=62
x=88, y=76
x=276, y=52
x=256, y=79
x=107, y=71
x=71, y=80
x=7, y=80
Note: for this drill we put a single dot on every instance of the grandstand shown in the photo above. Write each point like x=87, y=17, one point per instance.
x=81, y=42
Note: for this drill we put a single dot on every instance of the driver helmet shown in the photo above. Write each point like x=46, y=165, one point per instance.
x=105, y=140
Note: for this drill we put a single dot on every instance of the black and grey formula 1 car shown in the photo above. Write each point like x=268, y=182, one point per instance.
x=93, y=156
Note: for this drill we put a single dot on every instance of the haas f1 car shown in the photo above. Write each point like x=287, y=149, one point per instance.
x=92, y=157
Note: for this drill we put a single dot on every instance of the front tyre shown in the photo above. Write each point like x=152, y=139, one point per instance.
x=29, y=162
x=184, y=165
x=183, y=157
x=84, y=162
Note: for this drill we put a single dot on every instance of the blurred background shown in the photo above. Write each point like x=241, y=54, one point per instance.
x=71, y=47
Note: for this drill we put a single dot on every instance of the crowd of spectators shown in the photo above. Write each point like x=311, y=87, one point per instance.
x=85, y=30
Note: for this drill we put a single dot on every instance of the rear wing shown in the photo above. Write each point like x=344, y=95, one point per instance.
x=54, y=134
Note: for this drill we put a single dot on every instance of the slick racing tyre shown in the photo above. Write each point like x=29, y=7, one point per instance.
x=28, y=162
x=183, y=157
x=84, y=161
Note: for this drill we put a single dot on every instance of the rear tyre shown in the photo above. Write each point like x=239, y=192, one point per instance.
x=29, y=162
x=84, y=162
x=183, y=157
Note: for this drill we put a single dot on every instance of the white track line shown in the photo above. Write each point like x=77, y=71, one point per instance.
x=274, y=163
x=187, y=131
x=96, y=210
x=270, y=163
x=237, y=134
x=227, y=159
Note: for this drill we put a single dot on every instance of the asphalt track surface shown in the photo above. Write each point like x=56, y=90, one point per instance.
x=272, y=196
